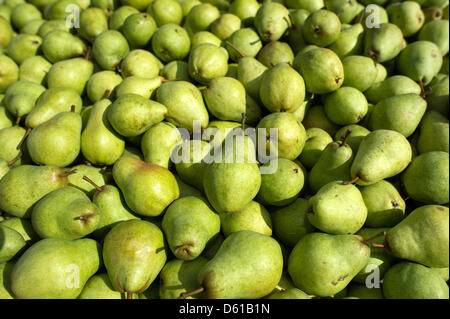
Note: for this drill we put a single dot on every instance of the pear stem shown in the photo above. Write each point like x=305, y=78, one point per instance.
x=191, y=293
x=18, y=120
x=309, y=210
x=360, y=18
x=67, y=173
x=24, y=138
x=345, y=138
x=129, y=295
x=292, y=22
x=164, y=80
x=368, y=240
x=84, y=217
x=15, y=159
x=378, y=245
x=352, y=181
x=173, y=119
x=72, y=108
x=90, y=181
x=244, y=119
x=235, y=49
x=279, y=288
x=88, y=53
x=107, y=94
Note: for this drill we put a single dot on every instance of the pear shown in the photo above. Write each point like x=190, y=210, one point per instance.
x=321, y=28
x=316, y=141
x=56, y=10
x=354, y=138
x=224, y=26
x=119, y=14
x=426, y=179
x=59, y=268
x=345, y=106
x=346, y=10
x=381, y=154
x=272, y=21
x=6, y=119
x=250, y=251
x=218, y=131
x=61, y=45
x=434, y=133
x=407, y=280
x=391, y=86
x=349, y=41
x=407, y=15
x=134, y=254
x=147, y=188
x=171, y=42
x=432, y=14
x=9, y=72
x=385, y=206
x=5, y=280
x=421, y=237
x=282, y=88
x=184, y=103
x=187, y=190
x=73, y=73
x=243, y=42
x=205, y=37
x=159, y=142
x=134, y=84
x=63, y=129
x=23, y=227
x=10, y=138
x=421, y=61
x=290, y=293
x=101, y=83
x=65, y=213
x=276, y=52
x=436, y=32
x=12, y=243
x=7, y=32
x=384, y=43
x=333, y=165
x=99, y=287
x=310, y=260
x=291, y=135
x=282, y=186
x=51, y=102
x=23, y=46
x=139, y=28
x=245, y=10
x=200, y=17
x=99, y=143
x=401, y=113
x=140, y=63
x=250, y=72
x=207, y=61
x=438, y=98
x=176, y=70
x=20, y=97
x=363, y=292
x=179, y=276
x=290, y=223
x=93, y=21
x=166, y=11
x=337, y=208
x=51, y=25
x=321, y=69
x=252, y=217
x=34, y=69
x=360, y=72
x=109, y=48
x=189, y=224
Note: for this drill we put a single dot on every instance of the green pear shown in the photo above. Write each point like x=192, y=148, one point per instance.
x=34, y=69
x=7, y=32
x=5, y=280
x=99, y=143
x=224, y=26
x=245, y=10
x=72, y=73
x=9, y=72
x=59, y=268
x=176, y=70
x=290, y=133
x=187, y=190
x=401, y=113
x=337, y=208
x=316, y=141
x=391, y=86
x=321, y=28
x=166, y=11
x=134, y=84
x=346, y=10
x=207, y=61
x=438, y=98
x=61, y=45
x=310, y=260
x=101, y=83
x=355, y=137
x=12, y=243
x=432, y=14
x=139, y=28
x=282, y=186
x=184, y=102
x=252, y=217
x=250, y=252
x=295, y=35
x=385, y=206
x=64, y=130
x=407, y=15
x=421, y=61
x=345, y=106
x=65, y=213
x=93, y=21
x=407, y=280
x=282, y=88
x=363, y=292
x=205, y=37
x=23, y=227
x=56, y=10
x=20, y=97
x=201, y=17
x=99, y=287
x=10, y=137
x=189, y=224
x=23, y=46
x=109, y=48
x=434, y=133
x=360, y=72
x=436, y=32
x=290, y=223
x=179, y=276
x=218, y=131
x=159, y=142
x=6, y=119
x=421, y=237
x=147, y=188
x=381, y=154
x=426, y=179
x=384, y=43
x=250, y=73
x=134, y=254
x=333, y=164
x=117, y=13
x=171, y=42
x=271, y=21
x=276, y=52
x=290, y=293
x=51, y=25
x=243, y=42
x=321, y=69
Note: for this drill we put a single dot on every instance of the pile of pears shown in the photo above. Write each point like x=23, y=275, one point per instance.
x=348, y=200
